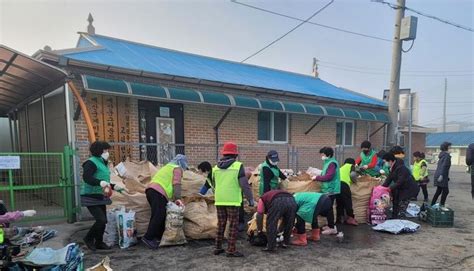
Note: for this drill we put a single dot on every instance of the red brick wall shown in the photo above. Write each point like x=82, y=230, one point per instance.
x=418, y=142
x=240, y=126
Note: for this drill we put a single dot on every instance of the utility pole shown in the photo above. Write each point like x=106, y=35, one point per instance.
x=444, y=104
x=394, y=95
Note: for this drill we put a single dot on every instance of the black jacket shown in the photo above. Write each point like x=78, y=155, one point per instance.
x=401, y=182
x=470, y=155
x=441, y=176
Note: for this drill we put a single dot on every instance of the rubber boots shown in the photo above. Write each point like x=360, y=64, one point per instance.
x=299, y=240
x=314, y=235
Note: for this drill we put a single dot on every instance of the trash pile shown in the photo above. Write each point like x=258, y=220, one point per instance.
x=69, y=257
x=200, y=214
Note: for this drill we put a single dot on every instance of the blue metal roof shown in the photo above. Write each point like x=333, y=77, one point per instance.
x=135, y=56
x=456, y=138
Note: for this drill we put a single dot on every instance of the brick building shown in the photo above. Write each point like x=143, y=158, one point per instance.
x=154, y=102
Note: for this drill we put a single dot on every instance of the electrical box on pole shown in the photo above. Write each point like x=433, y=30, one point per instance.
x=408, y=28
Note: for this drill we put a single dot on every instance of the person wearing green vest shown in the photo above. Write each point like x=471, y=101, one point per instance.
x=270, y=174
x=95, y=192
x=367, y=159
x=344, y=199
x=330, y=181
x=382, y=168
x=420, y=173
x=165, y=186
x=230, y=181
x=310, y=206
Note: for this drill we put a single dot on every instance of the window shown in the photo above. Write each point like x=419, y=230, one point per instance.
x=345, y=133
x=272, y=127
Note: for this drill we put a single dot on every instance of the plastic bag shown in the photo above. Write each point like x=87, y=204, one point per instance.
x=126, y=228
x=379, y=204
x=111, y=232
x=413, y=210
x=174, y=226
x=397, y=226
x=104, y=265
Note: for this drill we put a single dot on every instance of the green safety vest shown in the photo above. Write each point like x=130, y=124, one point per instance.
x=366, y=160
x=164, y=177
x=345, y=173
x=2, y=238
x=306, y=202
x=227, y=187
x=333, y=186
x=273, y=181
x=418, y=175
x=102, y=173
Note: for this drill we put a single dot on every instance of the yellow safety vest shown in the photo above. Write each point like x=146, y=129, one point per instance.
x=345, y=172
x=164, y=177
x=227, y=187
x=417, y=171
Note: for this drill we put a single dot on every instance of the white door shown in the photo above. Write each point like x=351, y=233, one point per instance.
x=165, y=137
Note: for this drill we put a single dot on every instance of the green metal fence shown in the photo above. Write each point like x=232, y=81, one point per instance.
x=44, y=182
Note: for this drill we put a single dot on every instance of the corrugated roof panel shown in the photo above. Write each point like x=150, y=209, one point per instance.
x=314, y=109
x=271, y=105
x=334, y=111
x=215, y=98
x=382, y=117
x=105, y=84
x=293, y=107
x=148, y=90
x=129, y=55
x=184, y=94
x=366, y=115
x=246, y=102
x=350, y=113
x=456, y=139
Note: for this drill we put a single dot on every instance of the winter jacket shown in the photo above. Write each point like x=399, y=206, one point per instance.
x=470, y=155
x=441, y=176
x=401, y=181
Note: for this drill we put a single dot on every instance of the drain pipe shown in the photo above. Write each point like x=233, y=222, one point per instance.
x=216, y=130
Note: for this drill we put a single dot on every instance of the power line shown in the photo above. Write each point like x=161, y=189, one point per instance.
x=287, y=33
x=395, y=6
x=387, y=73
x=381, y=69
x=313, y=23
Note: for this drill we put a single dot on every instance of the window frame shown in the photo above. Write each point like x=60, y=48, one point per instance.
x=343, y=121
x=272, y=129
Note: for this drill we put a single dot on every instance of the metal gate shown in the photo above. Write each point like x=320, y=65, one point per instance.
x=42, y=182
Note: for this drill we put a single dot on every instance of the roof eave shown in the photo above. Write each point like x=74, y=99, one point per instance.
x=87, y=64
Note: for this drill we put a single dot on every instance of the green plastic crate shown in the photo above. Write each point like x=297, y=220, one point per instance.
x=439, y=218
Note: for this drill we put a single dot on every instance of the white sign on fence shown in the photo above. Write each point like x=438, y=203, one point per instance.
x=9, y=162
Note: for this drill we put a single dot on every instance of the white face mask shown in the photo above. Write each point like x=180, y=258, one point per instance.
x=324, y=157
x=105, y=155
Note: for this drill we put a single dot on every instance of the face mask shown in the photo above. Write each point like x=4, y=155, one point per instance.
x=366, y=151
x=105, y=156
x=324, y=158
x=273, y=163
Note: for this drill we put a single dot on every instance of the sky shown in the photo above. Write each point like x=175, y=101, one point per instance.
x=230, y=31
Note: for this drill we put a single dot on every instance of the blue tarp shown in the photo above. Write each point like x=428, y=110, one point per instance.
x=134, y=56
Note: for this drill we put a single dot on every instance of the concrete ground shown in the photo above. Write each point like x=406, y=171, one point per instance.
x=429, y=248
